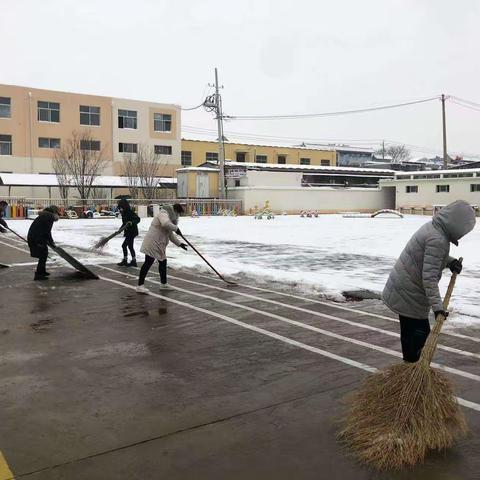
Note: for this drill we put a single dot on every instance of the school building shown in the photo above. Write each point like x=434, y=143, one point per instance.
x=34, y=122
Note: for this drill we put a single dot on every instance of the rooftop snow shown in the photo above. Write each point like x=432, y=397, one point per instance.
x=39, y=180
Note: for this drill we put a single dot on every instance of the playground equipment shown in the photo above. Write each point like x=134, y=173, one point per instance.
x=372, y=215
x=265, y=211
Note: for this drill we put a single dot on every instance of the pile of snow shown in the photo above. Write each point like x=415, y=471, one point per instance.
x=324, y=255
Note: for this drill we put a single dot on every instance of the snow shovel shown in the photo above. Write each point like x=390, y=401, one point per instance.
x=228, y=282
x=104, y=240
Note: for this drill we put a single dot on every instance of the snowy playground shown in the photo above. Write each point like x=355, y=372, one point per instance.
x=322, y=256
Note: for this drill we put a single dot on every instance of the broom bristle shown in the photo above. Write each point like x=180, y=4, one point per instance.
x=400, y=414
x=101, y=243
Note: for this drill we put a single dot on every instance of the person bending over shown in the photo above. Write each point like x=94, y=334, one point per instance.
x=412, y=287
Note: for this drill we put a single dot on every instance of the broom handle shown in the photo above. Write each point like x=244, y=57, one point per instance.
x=15, y=233
x=432, y=340
x=202, y=257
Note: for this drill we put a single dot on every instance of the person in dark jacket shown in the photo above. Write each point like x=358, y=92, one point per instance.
x=412, y=289
x=40, y=236
x=131, y=231
x=3, y=223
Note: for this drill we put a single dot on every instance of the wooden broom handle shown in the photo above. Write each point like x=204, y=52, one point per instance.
x=448, y=295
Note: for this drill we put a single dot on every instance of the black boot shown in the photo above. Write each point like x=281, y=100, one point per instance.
x=133, y=263
x=40, y=276
x=123, y=263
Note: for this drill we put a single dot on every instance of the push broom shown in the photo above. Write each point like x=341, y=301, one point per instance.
x=104, y=240
x=405, y=411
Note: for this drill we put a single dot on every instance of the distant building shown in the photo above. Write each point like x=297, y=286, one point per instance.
x=197, y=152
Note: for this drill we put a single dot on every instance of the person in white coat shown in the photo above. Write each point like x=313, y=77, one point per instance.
x=163, y=229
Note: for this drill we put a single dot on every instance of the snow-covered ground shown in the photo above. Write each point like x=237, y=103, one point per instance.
x=324, y=255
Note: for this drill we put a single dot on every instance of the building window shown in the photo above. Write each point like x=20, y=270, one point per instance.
x=48, y=112
x=127, y=119
x=44, y=142
x=5, y=107
x=304, y=161
x=163, y=149
x=282, y=159
x=211, y=157
x=186, y=158
x=411, y=189
x=261, y=158
x=325, y=163
x=475, y=187
x=443, y=188
x=241, y=157
x=90, y=145
x=162, y=122
x=89, y=115
x=127, y=147
x=237, y=182
x=5, y=144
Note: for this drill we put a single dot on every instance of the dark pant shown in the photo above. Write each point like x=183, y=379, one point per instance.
x=128, y=242
x=162, y=269
x=42, y=261
x=413, y=335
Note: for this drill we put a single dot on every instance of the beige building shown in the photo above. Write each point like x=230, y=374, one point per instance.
x=34, y=122
x=197, y=152
x=425, y=189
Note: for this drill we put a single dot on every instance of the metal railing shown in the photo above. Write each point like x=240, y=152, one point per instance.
x=19, y=206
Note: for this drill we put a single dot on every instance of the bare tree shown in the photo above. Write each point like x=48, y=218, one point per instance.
x=149, y=167
x=398, y=153
x=61, y=171
x=130, y=171
x=83, y=160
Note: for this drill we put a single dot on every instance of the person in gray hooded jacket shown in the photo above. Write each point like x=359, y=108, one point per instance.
x=412, y=287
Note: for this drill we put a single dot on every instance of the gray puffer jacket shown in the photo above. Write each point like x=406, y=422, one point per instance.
x=412, y=287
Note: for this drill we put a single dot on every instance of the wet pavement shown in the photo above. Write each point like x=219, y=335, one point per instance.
x=202, y=382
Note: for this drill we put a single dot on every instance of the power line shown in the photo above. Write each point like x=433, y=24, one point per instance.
x=192, y=108
x=331, y=114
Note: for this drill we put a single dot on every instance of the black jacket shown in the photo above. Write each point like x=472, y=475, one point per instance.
x=129, y=215
x=2, y=221
x=40, y=233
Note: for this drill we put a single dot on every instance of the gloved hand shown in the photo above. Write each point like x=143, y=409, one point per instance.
x=184, y=246
x=455, y=266
x=441, y=312
x=178, y=232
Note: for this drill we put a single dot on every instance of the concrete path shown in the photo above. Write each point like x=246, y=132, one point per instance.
x=202, y=382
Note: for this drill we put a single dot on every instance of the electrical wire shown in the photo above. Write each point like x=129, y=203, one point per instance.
x=470, y=107
x=330, y=114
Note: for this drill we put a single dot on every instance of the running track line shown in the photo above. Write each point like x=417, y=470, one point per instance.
x=334, y=305
x=324, y=315
x=327, y=333
x=347, y=361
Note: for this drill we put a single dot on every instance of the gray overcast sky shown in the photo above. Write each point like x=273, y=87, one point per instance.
x=274, y=57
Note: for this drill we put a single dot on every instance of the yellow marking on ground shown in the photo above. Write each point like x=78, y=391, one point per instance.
x=5, y=472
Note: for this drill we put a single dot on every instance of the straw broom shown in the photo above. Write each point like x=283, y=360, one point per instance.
x=405, y=411
x=104, y=240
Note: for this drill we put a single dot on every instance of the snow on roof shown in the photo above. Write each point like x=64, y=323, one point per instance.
x=438, y=172
x=50, y=180
x=198, y=169
x=290, y=166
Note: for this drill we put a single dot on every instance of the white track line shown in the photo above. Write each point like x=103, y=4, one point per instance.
x=347, y=361
x=324, y=315
x=334, y=305
x=327, y=333
x=13, y=246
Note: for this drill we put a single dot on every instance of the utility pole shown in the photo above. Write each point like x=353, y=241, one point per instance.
x=444, y=125
x=221, y=146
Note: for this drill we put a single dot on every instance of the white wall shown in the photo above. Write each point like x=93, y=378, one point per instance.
x=324, y=199
x=427, y=195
